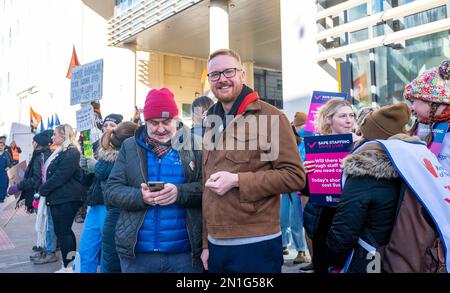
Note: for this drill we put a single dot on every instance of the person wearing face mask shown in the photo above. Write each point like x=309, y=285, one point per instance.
x=335, y=117
x=91, y=236
x=158, y=188
x=429, y=94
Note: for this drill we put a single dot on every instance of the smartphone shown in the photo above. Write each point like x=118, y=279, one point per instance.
x=155, y=185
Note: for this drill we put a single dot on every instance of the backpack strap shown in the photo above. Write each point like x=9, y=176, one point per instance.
x=372, y=242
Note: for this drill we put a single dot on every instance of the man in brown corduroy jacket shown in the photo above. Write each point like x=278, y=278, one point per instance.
x=250, y=157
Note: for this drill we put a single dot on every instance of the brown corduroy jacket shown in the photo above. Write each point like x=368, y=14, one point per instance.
x=252, y=209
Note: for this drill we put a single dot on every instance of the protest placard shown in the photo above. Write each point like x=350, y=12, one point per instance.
x=327, y=151
x=17, y=173
x=318, y=99
x=85, y=118
x=86, y=83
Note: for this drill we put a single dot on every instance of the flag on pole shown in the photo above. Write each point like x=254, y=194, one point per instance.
x=137, y=117
x=73, y=63
x=57, y=123
x=42, y=127
x=50, y=123
x=35, y=118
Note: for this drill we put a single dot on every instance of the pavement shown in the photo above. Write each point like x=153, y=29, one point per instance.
x=17, y=237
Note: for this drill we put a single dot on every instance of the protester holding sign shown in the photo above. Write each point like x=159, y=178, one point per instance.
x=429, y=94
x=32, y=178
x=91, y=237
x=335, y=117
x=369, y=197
x=29, y=186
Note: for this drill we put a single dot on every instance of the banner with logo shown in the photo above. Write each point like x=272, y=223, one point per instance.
x=439, y=131
x=318, y=99
x=327, y=151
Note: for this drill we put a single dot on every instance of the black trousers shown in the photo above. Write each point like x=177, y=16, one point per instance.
x=63, y=216
x=321, y=258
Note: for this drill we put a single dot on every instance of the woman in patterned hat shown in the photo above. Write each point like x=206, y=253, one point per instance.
x=429, y=94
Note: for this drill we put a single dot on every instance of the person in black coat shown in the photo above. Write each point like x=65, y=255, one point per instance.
x=110, y=146
x=62, y=188
x=366, y=212
x=5, y=164
x=33, y=175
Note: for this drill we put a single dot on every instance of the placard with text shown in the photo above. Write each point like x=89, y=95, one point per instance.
x=319, y=99
x=327, y=151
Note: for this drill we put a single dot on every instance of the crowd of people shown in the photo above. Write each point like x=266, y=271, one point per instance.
x=165, y=198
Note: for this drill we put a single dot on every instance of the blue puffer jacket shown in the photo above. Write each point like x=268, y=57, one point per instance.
x=164, y=227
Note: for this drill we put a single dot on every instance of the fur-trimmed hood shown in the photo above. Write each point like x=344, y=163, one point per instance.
x=374, y=163
x=109, y=155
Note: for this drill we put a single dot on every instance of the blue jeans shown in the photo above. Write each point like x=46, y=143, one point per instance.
x=260, y=257
x=50, y=236
x=291, y=221
x=158, y=262
x=91, y=240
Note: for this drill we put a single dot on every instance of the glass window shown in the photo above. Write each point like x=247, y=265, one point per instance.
x=378, y=30
x=362, y=95
x=357, y=12
x=425, y=17
x=359, y=36
x=186, y=110
x=396, y=68
x=377, y=6
x=269, y=85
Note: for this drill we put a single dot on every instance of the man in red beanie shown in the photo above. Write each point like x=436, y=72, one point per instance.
x=241, y=201
x=159, y=190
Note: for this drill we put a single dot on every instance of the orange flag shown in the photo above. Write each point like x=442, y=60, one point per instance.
x=35, y=119
x=204, y=80
x=73, y=63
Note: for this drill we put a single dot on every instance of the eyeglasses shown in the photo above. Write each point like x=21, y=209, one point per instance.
x=228, y=73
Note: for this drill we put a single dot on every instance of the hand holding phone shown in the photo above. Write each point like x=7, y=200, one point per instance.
x=155, y=185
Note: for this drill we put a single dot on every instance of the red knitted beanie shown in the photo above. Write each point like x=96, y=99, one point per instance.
x=160, y=104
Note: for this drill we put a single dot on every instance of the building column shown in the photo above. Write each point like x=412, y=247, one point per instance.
x=301, y=72
x=218, y=25
x=249, y=74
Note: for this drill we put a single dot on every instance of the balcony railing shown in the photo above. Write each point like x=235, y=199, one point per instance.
x=373, y=19
x=143, y=15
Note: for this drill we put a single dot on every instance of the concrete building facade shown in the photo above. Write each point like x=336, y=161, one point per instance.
x=370, y=48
